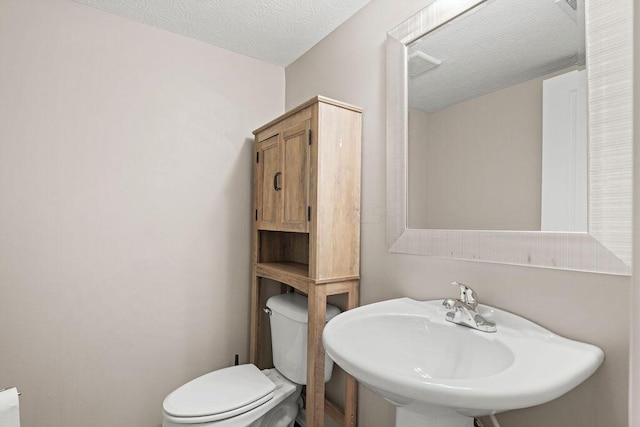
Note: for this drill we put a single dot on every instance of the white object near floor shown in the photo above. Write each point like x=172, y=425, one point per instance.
x=564, y=152
x=408, y=418
x=9, y=408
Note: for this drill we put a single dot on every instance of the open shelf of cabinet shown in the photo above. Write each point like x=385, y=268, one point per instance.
x=293, y=274
x=306, y=233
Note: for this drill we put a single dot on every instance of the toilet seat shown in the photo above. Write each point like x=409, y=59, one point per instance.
x=219, y=395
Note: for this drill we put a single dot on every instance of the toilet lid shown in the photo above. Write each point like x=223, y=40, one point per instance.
x=227, y=392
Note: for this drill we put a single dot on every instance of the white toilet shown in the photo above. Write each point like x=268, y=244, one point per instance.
x=244, y=396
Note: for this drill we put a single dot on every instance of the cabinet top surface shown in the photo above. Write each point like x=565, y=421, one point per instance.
x=314, y=100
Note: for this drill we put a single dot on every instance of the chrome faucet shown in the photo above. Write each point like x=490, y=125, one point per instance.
x=463, y=310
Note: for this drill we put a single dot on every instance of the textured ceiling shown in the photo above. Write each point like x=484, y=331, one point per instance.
x=496, y=46
x=276, y=31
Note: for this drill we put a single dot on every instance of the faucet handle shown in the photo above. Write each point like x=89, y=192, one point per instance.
x=467, y=295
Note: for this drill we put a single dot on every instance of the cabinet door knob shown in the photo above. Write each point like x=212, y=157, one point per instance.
x=276, y=181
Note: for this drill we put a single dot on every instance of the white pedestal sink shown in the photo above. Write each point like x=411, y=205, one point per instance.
x=440, y=374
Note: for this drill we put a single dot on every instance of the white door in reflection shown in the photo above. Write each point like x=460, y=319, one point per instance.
x=564, y=152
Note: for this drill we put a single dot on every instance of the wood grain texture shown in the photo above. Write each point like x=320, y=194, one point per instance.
x=295, y=176
x=268, y=199
x=254, y=343
x=319, y=256
x=315, y=356
x=276, y=246
x=313, y=194
x=351, y=385
x=292, y=274
x=337, y=203
x=282, y=170
x=294, y=111
x=333, y=411
x=606, y=248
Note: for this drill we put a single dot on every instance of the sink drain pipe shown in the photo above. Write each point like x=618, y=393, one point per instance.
x=494, y=421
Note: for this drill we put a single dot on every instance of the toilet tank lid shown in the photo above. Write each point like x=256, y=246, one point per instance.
x=296, y=307
x=219, y=392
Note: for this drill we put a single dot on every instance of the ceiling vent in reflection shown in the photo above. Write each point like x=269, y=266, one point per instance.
x=420, y=63
x=570, y=7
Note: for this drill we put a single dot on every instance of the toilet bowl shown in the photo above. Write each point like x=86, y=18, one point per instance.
x=239, y=396
x=244, y=396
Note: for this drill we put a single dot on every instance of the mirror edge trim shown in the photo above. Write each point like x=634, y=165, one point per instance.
x=606, y=248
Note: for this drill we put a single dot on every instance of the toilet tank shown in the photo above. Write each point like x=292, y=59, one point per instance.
x=289, y=319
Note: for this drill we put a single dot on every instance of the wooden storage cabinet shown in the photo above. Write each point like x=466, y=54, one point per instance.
x=282, y=173
x=307, y=226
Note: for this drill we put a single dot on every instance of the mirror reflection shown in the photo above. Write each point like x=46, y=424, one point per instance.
x=497, y=122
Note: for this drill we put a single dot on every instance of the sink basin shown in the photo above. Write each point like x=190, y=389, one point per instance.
x=442, y=374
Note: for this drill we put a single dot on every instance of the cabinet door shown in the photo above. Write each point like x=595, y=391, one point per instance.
x=268, y=181
x=295, y=177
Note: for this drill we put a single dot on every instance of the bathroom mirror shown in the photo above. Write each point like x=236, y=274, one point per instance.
x=423, y=51
x=497, y=131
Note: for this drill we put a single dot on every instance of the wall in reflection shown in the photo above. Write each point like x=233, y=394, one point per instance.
x=478, y=164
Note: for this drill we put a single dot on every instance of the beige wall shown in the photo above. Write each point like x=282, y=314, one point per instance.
x=350, y=65
x=125, y=182
x=482, y=161
x=417, y=172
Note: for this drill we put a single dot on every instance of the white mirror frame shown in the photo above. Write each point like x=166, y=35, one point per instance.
x=606, y=247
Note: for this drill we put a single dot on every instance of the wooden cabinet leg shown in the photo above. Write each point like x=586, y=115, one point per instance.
x=351, y=386
x=315, y=356
x=351, y=401
x=254, y=344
